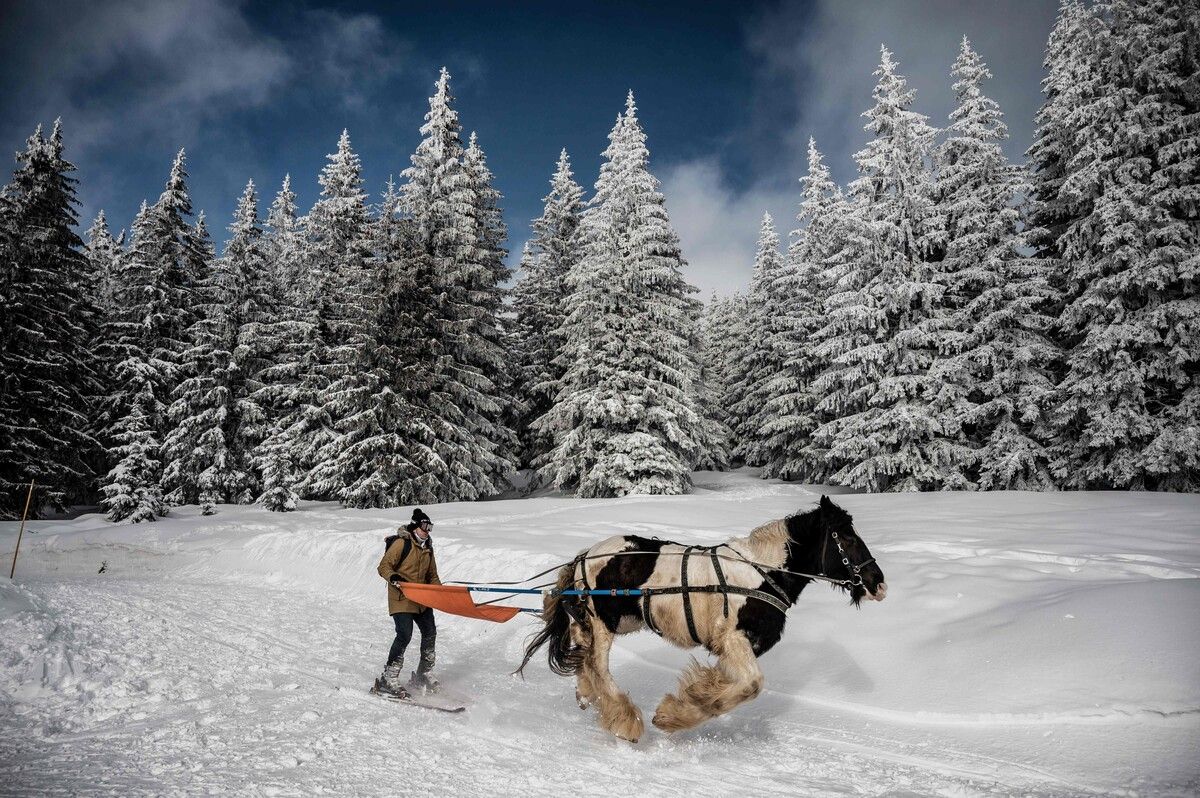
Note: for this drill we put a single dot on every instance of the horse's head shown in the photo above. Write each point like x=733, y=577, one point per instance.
x=844, y=555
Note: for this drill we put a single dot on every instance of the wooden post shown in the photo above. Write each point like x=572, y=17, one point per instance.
x=24, y=515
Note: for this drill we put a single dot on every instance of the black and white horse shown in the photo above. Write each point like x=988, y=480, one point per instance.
x=730, y=598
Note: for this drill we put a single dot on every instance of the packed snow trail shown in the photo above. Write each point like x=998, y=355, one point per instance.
x=233, y=654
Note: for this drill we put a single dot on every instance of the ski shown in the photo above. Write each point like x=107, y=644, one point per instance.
x=452, y=709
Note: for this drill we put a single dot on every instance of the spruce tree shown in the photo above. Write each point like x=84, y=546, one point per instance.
x=215, y=425
x=790, y=401
x=885, y=437
x=762, y=360
x=280, y=388
x=539, y=301
x=47, y=325
x=131, y=490
x=625, y=420
x=337, y=257
x=992, y=378
x=132, y=413
x=457, y=237
x=1124, y=410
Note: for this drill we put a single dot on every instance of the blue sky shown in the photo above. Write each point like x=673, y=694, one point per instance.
x=728, y=92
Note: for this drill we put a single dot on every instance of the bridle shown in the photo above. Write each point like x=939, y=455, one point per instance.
x=855, y=579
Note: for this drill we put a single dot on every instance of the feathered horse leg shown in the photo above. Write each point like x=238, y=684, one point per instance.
x=618, y=714
x=705, y=692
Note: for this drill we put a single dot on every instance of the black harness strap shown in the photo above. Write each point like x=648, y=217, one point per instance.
x=687, y=598
x=649, y=618
x=716, y=561
x=749, y=592
x=581, y=563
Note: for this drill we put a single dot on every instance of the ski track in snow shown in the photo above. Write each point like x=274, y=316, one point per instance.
x=210, y=660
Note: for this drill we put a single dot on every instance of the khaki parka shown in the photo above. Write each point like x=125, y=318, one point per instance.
x=418, y=566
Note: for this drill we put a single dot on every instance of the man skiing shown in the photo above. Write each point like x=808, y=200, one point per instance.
x=408, y=557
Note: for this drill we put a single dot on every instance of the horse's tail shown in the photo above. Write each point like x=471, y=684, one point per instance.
x=564, y=656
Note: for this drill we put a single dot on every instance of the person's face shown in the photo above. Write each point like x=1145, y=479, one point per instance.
x=425, y=527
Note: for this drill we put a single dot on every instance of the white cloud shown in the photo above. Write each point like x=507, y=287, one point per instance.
x=718, y=226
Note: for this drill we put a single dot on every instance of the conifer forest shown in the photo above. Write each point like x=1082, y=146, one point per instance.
x=947, y=320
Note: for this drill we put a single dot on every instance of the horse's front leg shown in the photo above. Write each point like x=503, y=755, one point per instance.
x=705, y=692
x=618, y=714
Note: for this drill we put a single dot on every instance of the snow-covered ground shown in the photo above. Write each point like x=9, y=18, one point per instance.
x=1043, y=644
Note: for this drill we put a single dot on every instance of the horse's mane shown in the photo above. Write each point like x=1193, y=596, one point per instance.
x=769, y=540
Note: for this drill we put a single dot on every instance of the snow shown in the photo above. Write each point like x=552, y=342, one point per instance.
x=1033, y=643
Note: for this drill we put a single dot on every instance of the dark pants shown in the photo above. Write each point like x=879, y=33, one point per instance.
x=404, y=630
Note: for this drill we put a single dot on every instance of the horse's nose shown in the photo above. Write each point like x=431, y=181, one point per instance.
x=880, y=591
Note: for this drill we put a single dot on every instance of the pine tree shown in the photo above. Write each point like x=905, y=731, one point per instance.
x=341, y=309
x=484, y=349
x=281, y=389
x=1125, y=409
x=878, y=333
x=992, y=378
x=625, y=420
x=103, y=251
x=215, y=422
x=761, y=361
x=725, y=336
x=711, y=387
x=790, y=401
x=131, y=489
x=457, y=237
x=539, y=303
x=132, y=413
x=46, y=326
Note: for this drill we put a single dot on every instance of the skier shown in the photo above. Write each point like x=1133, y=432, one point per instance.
x=408, y=557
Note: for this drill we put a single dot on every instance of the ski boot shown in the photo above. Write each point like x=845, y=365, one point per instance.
x=388, y=684
x=423, y=684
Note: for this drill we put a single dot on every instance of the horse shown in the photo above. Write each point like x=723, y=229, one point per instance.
x=731, y=599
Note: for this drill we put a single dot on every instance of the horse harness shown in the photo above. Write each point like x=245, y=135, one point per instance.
x=779, y=600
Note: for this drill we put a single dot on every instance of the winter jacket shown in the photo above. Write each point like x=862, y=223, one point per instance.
x=418, y=566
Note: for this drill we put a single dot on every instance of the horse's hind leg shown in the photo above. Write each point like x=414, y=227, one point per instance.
x=585, y=683
x=617, y=712
x=705, y=692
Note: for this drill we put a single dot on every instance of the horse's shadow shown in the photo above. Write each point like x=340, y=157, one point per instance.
x=823, y=661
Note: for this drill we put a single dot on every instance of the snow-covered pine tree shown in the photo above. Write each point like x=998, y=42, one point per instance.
x=761, y=362
x=992, y=378
x=131, y=490
x=283, y=245
x=484, y=348
x=47, y=325
x=342, y=308
x=103, y=252
x=283, y=388
x=456, y=237
x=725, y=335
x=215, y=425
x=710, y=388
x=1125, y=410
x=539, y=300
x=878, y=334
x=625, y=420
x=132, y=413
x=790, y=400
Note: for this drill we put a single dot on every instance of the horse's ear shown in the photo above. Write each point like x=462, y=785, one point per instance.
x=826, y=504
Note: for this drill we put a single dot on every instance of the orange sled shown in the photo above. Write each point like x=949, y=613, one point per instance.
x=456, y=600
